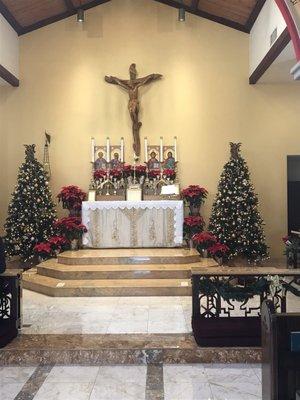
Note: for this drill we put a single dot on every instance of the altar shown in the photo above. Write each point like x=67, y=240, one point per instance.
x=117, y=224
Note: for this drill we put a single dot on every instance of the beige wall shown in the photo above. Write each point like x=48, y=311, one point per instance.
x=204, y=99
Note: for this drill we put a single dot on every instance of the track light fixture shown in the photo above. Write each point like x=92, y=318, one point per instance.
x=80, y=15
x=181, y=14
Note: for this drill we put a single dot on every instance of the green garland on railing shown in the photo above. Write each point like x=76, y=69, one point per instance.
x=229, y=291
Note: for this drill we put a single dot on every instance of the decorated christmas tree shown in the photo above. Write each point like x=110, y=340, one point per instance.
x=235, y=218
x=31, y=212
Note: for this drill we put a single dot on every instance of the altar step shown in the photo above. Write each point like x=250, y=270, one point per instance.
x=54, y=269
x=116, y=272
x=129, y=256
x=105, y=287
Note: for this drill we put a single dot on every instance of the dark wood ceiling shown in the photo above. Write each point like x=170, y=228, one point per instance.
x=28, y=15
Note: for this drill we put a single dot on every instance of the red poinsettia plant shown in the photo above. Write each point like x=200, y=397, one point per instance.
x=127, y=170
x=169, y=174
x=43, y=250
x=194, y=195
x=70, y=227
x=71, y=197
x=140, y=170
x=204, y=240
x=116, y=173
x=100, y=174
x=154, y=173
x=218, y=250
x=192, y=225
x=58, y=243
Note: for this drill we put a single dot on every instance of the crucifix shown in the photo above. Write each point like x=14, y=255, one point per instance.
x=132, y=87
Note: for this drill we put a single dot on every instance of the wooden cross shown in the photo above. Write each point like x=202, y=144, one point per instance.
x=132, y=87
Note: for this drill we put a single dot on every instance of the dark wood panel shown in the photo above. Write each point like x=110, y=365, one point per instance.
x=27, y=12
x=8, y=77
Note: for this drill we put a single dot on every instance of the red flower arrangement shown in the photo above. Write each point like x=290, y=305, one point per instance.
x=140, y=170
x=204, y=240
x=127, y=170
x=116, y=173
x=169, y=173
x=100, y=174
x=154, y=173
x=218, y=250
x=58, y=243
x=192, y=225
x=71, y=197
x=194, y=195
x=70, y=227
x=43, y=250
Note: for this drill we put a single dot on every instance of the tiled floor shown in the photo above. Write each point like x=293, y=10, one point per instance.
x=43, y=314
x=170, y=382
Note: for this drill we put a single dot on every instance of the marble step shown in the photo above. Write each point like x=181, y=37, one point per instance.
x=129, y=256
x=111, y=349
x=105, y=287
x=53, y=269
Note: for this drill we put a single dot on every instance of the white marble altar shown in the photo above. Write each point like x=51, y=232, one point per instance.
x=131, y=224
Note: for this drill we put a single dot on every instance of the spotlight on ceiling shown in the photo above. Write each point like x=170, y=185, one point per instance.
x=181, y=14
x=80, y=15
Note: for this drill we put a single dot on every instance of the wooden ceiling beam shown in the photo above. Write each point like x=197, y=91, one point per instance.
x=59, y=17
x=10, y=18
x=254, y=14
x=206, y=15
x=195, y=4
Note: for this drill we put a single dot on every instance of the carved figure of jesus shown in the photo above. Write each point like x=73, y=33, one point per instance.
x=132, y=87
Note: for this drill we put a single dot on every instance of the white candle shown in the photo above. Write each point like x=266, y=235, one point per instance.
x=92, y=149
x=107, y=150
x=175, y=148
x=146, y=149
x=161, y=155
x=122, y=149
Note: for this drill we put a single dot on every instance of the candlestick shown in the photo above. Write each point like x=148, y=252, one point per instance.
x=107, y=150
x=175, y=148
x=146, y=150
x=92, y=150
x=122, y=149
x=161, y=153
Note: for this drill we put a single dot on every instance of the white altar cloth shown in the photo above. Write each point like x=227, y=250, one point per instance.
x=115, y=224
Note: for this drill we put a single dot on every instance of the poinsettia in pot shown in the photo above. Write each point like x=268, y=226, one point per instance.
x=203, y=241
x=127, y=170
x=58, y=244
x=100, y=174
x=71, y=197
x=219, y=252
x=43, y=251
x=169, y=174
x=191, y=226
x=116, y=174
x=140, y=170
x=154, y=174
x=72, y=229
x=194, y=196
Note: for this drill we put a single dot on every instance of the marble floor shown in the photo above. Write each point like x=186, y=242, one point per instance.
x=73, y=315
x=86, y=315
x=152, y=382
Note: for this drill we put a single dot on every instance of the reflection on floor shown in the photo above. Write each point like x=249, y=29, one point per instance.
x=43, y=314
x=152, y=382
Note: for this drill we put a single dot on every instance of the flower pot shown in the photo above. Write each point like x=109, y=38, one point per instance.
x=204, y=253
x=238, y=262
x=194, y=210
x=219, y=260
x=74, y=243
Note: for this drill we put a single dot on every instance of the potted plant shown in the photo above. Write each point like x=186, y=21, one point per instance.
x=72, y=197
x=191, y=226
x=140, y=170
x=194, y=196
x=58, y=244
x=203, y=241
x=154, y=174
x=100, y=174
x=43, y=251
x=72, y=229
x=169, y=174
x=218, y=251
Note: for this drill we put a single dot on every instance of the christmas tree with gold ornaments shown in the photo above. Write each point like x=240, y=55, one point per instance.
x=31, y=212
x=235, y=218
